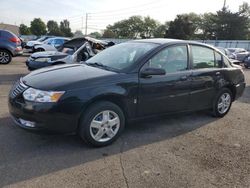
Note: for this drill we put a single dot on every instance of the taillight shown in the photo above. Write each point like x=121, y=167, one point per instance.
x=15, y=40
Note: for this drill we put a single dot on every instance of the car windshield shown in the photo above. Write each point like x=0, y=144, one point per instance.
x=121, y=56
x=42, y=39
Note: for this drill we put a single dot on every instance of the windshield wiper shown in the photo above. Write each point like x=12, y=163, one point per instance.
x=100, y=65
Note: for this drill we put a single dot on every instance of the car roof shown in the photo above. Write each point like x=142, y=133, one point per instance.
x=158, y=40
x=162, y=41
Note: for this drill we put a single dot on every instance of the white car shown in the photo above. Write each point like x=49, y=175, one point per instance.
x=51, y=44
x=30, y=44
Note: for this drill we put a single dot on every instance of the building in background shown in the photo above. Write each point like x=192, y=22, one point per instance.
x=13, y=28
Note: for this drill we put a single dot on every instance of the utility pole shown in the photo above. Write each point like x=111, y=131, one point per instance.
x=86, y=24
x=82, y=24
x=224, y=6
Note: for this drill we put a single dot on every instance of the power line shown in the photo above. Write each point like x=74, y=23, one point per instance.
x=119, y=10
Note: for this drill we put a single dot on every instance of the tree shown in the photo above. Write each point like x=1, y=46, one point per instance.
x=231, y=26
x=108, y=33
x=185, y=26
x=53, y=28
x=161, y=30
x=129, y=28
x=96, y=35
x=65, y=28
x=78, y=33
x=148, y=28
x=38, y=27
x=208, y=26
x=133, y=27
x=24, y=30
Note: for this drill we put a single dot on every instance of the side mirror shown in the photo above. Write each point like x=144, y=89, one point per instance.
x=148, y=72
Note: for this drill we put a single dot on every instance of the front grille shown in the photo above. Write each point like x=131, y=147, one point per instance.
x=18, y=88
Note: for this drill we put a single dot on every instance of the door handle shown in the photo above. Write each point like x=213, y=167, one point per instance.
x=217, y=73
x=183, y=78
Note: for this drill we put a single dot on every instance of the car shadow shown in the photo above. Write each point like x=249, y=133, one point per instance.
x=245, y=98
x=22, y=151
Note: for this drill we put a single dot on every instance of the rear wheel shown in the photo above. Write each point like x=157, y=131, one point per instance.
x=102, y=124
x=246, y=66
x=5, y=57
x=222, y=103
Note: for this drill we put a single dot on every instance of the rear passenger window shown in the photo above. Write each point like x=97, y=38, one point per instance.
x=203, y=57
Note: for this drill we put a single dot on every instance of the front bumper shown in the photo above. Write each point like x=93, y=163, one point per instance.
x=50, y=117
x=240, y=89
x=33, y=65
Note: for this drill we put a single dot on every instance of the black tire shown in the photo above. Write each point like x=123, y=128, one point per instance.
x=5, y=57
x=246, y=66
x=216, y=111
x=58, y=63
x=85, y=130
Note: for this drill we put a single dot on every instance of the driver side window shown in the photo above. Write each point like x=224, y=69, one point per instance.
x=171, y=59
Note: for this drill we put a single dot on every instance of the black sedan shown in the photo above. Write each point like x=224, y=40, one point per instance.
x=129, y=81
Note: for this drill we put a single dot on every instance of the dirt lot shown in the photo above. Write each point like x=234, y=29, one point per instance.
x=191, y=150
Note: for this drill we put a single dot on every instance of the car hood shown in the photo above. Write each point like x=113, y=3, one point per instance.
x=47, y=54
x=65, y=77
x=32, y=43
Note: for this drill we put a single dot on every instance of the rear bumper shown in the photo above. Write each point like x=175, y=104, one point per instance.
x=18, y=51
x=240, y=89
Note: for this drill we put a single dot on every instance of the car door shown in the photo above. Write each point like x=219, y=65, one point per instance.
x=206, y=74
x=170, y=92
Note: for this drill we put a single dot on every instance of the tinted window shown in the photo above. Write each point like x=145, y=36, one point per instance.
x=203, y=57
x=172, y=59
x=59, y=41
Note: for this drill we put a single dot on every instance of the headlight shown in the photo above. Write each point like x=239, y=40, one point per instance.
x=43, y=59
x=36, y=95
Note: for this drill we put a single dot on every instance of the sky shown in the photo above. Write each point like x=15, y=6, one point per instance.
x=104, y=12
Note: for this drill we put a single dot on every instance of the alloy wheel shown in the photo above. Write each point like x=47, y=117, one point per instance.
x=224, y=103
x=104, y=126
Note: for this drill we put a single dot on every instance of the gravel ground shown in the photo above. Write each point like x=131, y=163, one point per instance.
x=187, y=150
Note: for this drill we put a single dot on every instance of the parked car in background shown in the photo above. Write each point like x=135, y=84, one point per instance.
x=30, y=44
x=73, y=51
x=231, y=56
x=246, y=62
x=225, y=51
x=131, y=80
x=51, y=44
x=10, y=45
x=240, y=53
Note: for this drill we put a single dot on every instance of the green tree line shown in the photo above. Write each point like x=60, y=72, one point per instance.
x=223, y=25
x=38, y=27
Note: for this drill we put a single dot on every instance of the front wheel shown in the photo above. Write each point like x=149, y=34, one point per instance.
x=102, y=124
x=223, y=102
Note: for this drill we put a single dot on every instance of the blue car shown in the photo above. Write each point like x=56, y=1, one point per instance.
x=10, y=45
